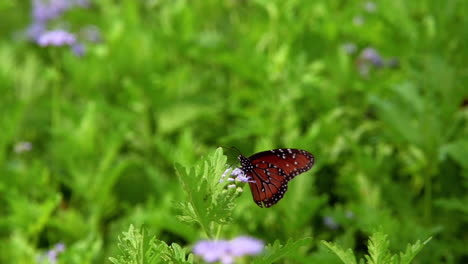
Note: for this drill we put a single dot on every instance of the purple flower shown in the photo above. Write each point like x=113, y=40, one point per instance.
x=51, y=255
x=79, y=49
x=35, y=30
x=240, y=175
x=370, y=6
x=235, y=175
x=91, y=33
x=245, y=245
x=358, y=20
x=44, y=11
x=371, y=55
x=329, y=222
x=211, y=251
x=349, y=48
x=23, y=146
x=60, y=247
x=349, y=214
x=56, y=38
x=225, y=251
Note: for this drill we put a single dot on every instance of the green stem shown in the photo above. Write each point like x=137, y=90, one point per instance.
x=218, y=231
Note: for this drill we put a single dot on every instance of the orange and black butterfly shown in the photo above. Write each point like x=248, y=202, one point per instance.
x=270, y=171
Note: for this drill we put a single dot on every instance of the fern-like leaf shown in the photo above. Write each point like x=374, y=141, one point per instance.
x=347, y=256
x=277, y=251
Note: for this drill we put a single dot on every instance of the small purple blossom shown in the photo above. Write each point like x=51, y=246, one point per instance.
x=371, y=55
x=60, y=247
x=349, y=214
x=329, y=222
x=244, y=178
x=245, y=245
x=91, y=33
x=51, y=255
x=358, y=20
x=56, y=38
x=235, y=175
x=349, y=48
x=225, y=251
x=35, y=30
x=211, y=251
x=370, y=6
x=23, y=146
x=78, y=49
x=237, y=172
x=44, y=11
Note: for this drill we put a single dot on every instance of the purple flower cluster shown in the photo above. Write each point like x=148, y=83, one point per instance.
x=370, y=57
x=51, y=255
x=23, y=146
x=56, y=38
x=235, y=175
x=44, y=11
x=226, y=251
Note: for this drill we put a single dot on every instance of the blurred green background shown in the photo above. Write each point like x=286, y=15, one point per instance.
x=375, y=90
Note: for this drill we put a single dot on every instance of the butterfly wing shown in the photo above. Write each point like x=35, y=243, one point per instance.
x=272, y=170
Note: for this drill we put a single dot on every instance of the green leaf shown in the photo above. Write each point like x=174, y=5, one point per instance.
x=277, y=251
x=412, y=251
x=458, y=151
x=208, y=201
x=379, y=252
x=347, y=256
x=378, y=249
x=135, y=250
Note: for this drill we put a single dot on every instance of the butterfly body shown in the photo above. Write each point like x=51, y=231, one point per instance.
x=271, y=171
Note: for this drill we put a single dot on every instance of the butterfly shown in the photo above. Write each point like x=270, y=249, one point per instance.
x=270, y=171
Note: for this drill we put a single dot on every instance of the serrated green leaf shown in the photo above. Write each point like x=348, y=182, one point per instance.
x=378, y=249
x=412, y=251
x=277, y=251
x=347, y=256
x=208, y=201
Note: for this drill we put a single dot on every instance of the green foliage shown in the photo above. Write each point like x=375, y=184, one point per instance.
x=88, y=145
x=276, y=251
x=379, y=252
x=135, y=248
x=208, y=201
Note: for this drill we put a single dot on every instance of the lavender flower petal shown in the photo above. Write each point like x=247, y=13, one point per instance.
x=56, y=38
x=371, y=55
x=211, y=251
x=245, y=245
x=60, y=247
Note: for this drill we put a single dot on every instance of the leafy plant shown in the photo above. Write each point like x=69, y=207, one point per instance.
x=379, y=252
x=136, y=249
